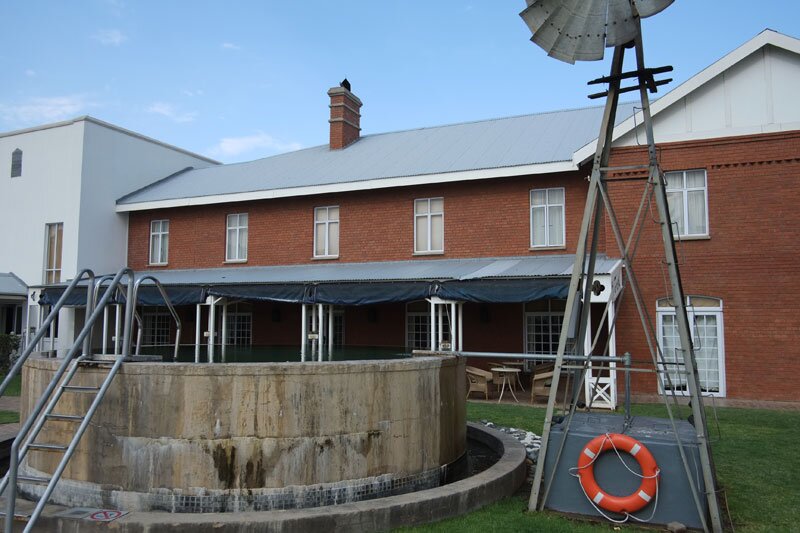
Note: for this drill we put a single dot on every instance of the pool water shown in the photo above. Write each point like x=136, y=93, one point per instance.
x=279, y=354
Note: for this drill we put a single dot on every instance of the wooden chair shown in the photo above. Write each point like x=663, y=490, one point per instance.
x=479, y=381
x=541, y=378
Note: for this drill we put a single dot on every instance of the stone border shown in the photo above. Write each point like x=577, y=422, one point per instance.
x=498, y=481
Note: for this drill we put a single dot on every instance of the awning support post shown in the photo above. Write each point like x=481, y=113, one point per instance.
x=197, y=333
x=460, y=326
x=303, y=331
x=224, y=339
x=117, y=328
x=432, y=327
x=212, y=327
x=321, y=311
x=105, y=330
x=330, y=330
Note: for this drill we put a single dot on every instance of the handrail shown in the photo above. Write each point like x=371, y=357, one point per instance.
x=120, y=291
x=46, y=324
x=168, y=304
x=11, y=478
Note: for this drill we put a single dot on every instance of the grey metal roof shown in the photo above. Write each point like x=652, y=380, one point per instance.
x=11, y=285
x=421, y=269
x=489, y=144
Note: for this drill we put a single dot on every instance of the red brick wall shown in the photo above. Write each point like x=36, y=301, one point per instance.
x=485, y=218
x=750, y=260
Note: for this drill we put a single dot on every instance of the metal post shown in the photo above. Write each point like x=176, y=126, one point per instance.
x=117, y=328
x=212, y=328
x=600, y=159
x=693, y=378
x=453, y=326
x=197, y=317
x=321, y=311
x=224, y=339
x=303, y=331
x=27, y=330
x=612, y=352
x=461, y=326
x=440, y=326
x=105, y=330
x=432, y=328
x=330, y=330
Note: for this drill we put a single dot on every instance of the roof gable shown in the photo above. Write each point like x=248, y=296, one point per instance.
x=750, y=90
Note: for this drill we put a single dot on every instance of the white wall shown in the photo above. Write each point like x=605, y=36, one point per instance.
x=756, y=95
x=116, y=163
x=48, y=191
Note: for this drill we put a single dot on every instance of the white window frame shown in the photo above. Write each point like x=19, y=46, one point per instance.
x=159, y=235
x=234, y=225
x=548, y=205
x=52, y=264
x=327, y=224
x=428, y=215
x=684, y=191
x=693, y=312
x=237, y=336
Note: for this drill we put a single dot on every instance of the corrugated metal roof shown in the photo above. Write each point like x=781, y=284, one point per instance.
x=489, y=144
x=430, y=269
x=11, y=285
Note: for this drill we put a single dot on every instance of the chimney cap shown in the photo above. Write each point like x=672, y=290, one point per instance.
x=345, y=84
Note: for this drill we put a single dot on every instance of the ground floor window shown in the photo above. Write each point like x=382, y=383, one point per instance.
x=705, y=318
x=418, y=326
x=543, y=322
x=338, y=323
x=240, y=329
x=155, y=328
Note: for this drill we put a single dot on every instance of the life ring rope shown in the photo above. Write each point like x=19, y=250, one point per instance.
x=575, y=471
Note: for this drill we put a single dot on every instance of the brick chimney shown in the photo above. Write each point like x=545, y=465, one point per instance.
x=345, y=116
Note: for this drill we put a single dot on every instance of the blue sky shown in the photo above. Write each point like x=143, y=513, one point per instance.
x=239, y=80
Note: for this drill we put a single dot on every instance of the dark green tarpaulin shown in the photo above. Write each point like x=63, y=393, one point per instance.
x=504, y=290
x=290, y=293
x=371, y=293
x=148, y=295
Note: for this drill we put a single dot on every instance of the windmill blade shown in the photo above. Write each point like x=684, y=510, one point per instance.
x=580, y=30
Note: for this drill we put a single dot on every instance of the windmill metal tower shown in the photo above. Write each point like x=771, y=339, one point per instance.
x=580, y=30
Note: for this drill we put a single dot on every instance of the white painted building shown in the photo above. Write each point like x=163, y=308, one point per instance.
x=58, y=187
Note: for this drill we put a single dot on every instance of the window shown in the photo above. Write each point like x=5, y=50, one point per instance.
x=547, y=217
x=418, y=321
x=688, y=202
x=326, y=231
x=705, y=319
x=16, y=163
x=543, y=322
x=429, y=225
x=155, y=328
x=236, y=247
x=52, y=252
x=240, y=329
x=159, y=242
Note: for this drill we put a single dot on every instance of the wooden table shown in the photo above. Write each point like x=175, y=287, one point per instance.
x=506, y=375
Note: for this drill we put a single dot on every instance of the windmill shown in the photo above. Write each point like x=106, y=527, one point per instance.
x=580, y=30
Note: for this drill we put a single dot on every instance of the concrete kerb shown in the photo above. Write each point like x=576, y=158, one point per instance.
x=497, y=482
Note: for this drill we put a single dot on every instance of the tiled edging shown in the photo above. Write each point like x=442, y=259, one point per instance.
x=499, y=481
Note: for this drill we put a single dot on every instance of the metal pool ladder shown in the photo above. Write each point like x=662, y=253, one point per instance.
x=42, y=412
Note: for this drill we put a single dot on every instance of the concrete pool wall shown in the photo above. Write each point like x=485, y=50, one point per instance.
x=230, y=437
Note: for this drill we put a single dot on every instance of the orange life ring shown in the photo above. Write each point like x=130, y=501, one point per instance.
x=618, y=504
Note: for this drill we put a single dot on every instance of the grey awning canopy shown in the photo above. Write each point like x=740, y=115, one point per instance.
x=489, y=280
x=11, y=287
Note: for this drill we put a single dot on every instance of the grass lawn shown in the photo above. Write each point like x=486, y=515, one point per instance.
x=7, y=417
x=754, y=451
x=13, y=387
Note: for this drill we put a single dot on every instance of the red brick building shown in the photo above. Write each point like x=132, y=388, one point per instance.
x=460, y=236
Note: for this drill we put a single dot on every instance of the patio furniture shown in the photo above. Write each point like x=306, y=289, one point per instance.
x=541, y=378
x=521, y=366
x=479, y=381
x=506, y=376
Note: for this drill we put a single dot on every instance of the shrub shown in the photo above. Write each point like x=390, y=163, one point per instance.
x=9, y=343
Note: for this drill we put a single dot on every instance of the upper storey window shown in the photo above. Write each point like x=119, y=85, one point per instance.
x=54, y=234
x=16, y=163
x=687, y=194
x=326, y=231
x=547, y=218
x=236, y=247
x=429, y=226
x=159, y=242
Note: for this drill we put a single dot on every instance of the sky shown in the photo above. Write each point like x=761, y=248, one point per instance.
x=239, y=80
